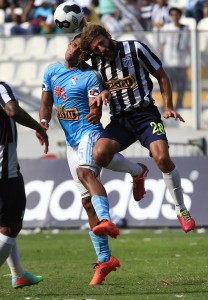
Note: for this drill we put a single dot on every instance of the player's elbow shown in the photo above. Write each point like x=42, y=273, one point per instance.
x=11, y=111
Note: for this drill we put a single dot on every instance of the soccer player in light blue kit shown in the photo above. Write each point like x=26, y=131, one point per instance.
x=71, y=87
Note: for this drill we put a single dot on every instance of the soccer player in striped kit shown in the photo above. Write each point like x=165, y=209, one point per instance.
x=125, y=67
x=12, y=190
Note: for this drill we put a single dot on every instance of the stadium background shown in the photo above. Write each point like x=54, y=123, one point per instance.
x=22, y=61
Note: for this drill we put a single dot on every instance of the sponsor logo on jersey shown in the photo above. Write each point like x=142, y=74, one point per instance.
x=116, y=84
x=59, y=92
x=70, y=114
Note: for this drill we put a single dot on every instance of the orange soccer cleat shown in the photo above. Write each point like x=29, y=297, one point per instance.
x=103, y=269
x=186, y=220
x=138, y=183
x=106, y=227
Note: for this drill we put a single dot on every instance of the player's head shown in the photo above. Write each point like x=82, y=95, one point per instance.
x=96, y=39
x=73, y=52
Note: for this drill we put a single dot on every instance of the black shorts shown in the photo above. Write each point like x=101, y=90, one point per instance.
x=142, y=124
x=12, y=200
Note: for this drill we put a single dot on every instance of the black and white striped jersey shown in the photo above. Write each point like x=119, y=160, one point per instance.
x=128, y=77
x=8, y=136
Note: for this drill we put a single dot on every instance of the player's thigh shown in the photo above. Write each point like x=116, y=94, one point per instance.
x=85, y=152
x=72, y=158
x=82, y=154
x=120, y=136
x=147, y=125
x=106, y=145
x=81, y=157
x=12, y=201
x=152, y=131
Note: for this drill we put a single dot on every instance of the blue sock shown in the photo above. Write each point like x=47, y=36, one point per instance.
x=101, y=247
x=101, y=206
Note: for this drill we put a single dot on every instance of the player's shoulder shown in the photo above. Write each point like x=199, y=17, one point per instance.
x=85, y=67
x=89, y=74
x=134, y=42
x=53, y=68
x=87, y=70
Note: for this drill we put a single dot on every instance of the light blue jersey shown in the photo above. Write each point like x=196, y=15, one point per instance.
x=71, y=90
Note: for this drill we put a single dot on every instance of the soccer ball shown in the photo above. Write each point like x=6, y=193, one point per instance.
x=69, y=16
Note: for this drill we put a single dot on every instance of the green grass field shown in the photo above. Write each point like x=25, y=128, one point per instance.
x=155, y=264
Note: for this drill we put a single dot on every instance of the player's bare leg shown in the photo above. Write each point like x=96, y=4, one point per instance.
x=160, y=153
x=105, y=263
x=105, y=154
x=100, y=203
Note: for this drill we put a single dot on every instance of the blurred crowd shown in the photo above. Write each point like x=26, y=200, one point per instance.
x=36, y=16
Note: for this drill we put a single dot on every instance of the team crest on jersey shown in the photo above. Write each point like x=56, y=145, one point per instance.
x=74, y=80
x=127, y=61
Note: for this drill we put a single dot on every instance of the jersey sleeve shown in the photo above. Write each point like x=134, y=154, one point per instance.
x=94, y=84
x=150, y=61
x=46, y=85
x=6, y=94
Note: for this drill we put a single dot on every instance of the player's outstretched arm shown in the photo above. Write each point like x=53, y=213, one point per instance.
x=13, y=110
x=46, y=107
x=166, y=92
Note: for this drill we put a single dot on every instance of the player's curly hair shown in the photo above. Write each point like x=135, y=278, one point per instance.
x=90, y=32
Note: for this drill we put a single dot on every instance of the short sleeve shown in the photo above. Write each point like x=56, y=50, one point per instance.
x=46, y=85
x=6, y=94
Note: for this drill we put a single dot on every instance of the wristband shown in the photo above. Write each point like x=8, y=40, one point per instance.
x=43, y=121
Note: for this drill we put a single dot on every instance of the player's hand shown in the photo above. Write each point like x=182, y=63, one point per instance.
x=170, y=113
x=43, y=138
x=104, y=96
x=94, y=117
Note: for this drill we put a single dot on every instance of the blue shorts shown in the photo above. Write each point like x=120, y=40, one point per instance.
x=142, y=124
x=12, y=201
